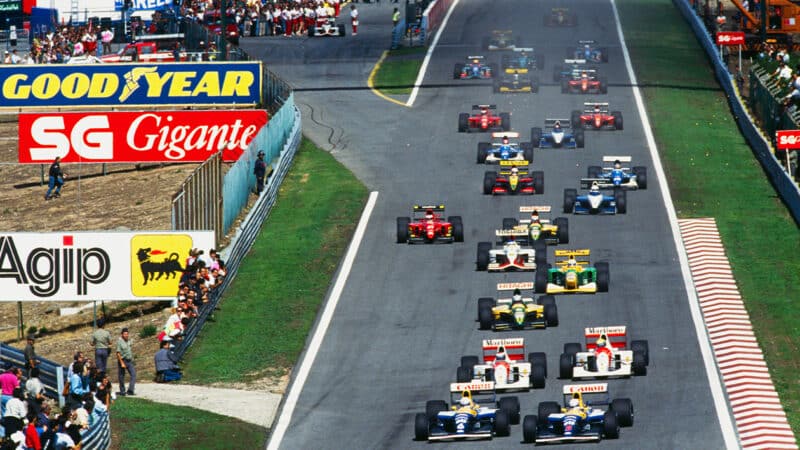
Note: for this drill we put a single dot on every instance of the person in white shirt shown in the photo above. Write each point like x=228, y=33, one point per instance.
x=354, y=19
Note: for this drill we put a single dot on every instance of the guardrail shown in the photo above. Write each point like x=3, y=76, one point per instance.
x=759, y=143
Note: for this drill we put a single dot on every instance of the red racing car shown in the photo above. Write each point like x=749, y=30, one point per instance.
x=584, y=81
x=595, y=116
x=426, y=226
x=485, y=119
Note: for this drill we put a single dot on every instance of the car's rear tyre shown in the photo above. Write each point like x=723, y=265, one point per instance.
x=594, y=171
x=563, y=229
x=505, y=121
x=457, y=71
x=402, y=229
x=551, y=315
x=575, y=119
x=603, y=276
x=483, y=151
x=621, y=198
x=470, y=361
x=564, y=87
x=641, y=176
x=610, y=427
x=540, y=279
x=540, y=253
x=527, y=151
x=556, y=74
x=623, y=408
x=538, y=359
x=509, y=223
x=342, y=31
x=502, y=425
x=603, y=54
x=545, y=409
x=545, y=300
x=566, y=362
x=483, y=255
x=496, y=86
x=617, y=119
x=534, y=85
x=570, y=195
x=489, y=179
x=511, y=406
x=536, y=137
x=603, y=85
x=485, y=302
x=463, y=122
x=642, y=346
x=485, y=317
x=638, y=366
x=421, y=422
x=485, y=43
x=433, y=408
x=530, y=430
x=572, y=348
x=538, y=377
x=538, y=182
x=463, y=374
x=579, y=138
x=311, y=32
x=458, y=228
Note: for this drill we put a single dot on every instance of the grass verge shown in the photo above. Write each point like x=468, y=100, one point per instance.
x=398, y=72
x=713, y=173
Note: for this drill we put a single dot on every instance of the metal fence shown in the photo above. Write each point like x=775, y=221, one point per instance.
x=198, y=204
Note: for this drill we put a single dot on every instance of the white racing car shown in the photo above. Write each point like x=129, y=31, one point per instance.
x=504, y=364
x=606, y=355
x=511, y=256
x=326, y=27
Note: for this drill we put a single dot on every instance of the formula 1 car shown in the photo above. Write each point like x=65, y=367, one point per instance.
x=569, y=68
x=465, y=419
x=326, y=27
x=513, y=180
x=516, y=82
x=522, y=60
x=589, y=51
x=595, y=116
x=595, y=202
x=511, y=256
x=504, y=363
x=560, y=17
x=584, y=81
x=500, y=40
x=503, y=149
x=605, y=356
x=485, y=119
x=517, y=312
x=557, y=136
x=537, y=229
x=474, y=68
x=579, y=420
x=616, y=176
x=572, y=275
x=427, y=226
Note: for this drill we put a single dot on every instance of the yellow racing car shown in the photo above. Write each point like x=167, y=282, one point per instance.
x=573, y=275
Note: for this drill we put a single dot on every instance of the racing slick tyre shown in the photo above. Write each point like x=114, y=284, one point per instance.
x=483, y=255
x=638, y=367
x=488, y=182
x=575, y=119
x=540, y=279
x=622, y=201
x=572, y=348
x=556, y=74
x=485, y=316
x=463, y=374
x=603, y=54
x=463, y=122
x=538, y=359
x=594, y=171
x=642, y=346
x=546, y=300
x=564, y=87
x=534, y=85
x=610, y=427
x=591, y=364
x=579, y=138
x=569, y=200
x=433, y=408
x=421, y=422
x=511, y=406
x=311, y=32
x=623, y=408
x=538, y=377
x=492, y=70
x=545, y=409
x=538, y=182
x=536, y=137
x=485, y=43
x=617, y=119
x=457, y=71
x=539, y=63
x=551, y=315
x=527, y=151
x=505, y=121
x=502, y=425
x=603, y=85
x=402, y=229
x=469, y=361
x=458, y=228
x=342, y=31
x=509, y=223
x=483, y=151
x=496, y=86
x=530, y=430
x=603, y=276
x=540, y=253
x=641, y=176
x=563, y=229
x=565, y=364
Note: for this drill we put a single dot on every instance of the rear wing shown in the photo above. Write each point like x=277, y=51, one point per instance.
x=502, y=31
x=574, y=61
x=475, y=57
x=519, y=70
x=616, y=336
x=514, y=349
x=560, y=9
x=508, y=134
x=550, y=123
x=589, y=106
x=523, y=49
x=580, y=70
x=474, y=387
x=484, y=106
x=586, y=183
x=514, y=163
x=562, y=256
x=539, y=209
x=589, y=41
x=506, y=233
x=435, y=208
x=592, y=388
x=622, y=159
x=507, y=165
x=512, y=286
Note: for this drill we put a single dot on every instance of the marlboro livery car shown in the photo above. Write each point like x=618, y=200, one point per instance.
x=485, y=119
x=584, y=81
x=326, y=26
x=595, y=202
x=427, y=226
x=518, y=312
x=537, y=228
x=572, y=274
x=606, y=355
x=588, y=50
x=504, y=147
x=560, y=17
x=466, y=419
x=474, y=68
x=513, y=179
x=557, y=136
x=511, y=256
x=579, y=420
x=595, y=116
x=616, y=175
x=500, y=40
x=504, y=363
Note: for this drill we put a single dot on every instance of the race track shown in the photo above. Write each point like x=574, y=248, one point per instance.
x=407, y=313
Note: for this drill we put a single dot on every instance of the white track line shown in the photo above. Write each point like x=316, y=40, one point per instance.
x=723, y=413
x=424, y=67
x=322, y=327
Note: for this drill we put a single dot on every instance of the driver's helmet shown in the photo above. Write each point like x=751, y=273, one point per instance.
x=584, y=75
x=601, y=342
x=597, y=108
x=535, y=216
x=617, y=164
x=464, y=401
x=429, y=214
x=516, y=77
x=595, y=188
x=574, y=403
x=557, y=125
x=500, y=356
x=484, y=111
x=505, y=140
x=517, y=297
x=514, y=171
x=572, y=262
x=586, y=46
x=476, y=61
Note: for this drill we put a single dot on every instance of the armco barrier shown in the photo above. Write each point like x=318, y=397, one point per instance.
x=433, y=15
x=788, y=191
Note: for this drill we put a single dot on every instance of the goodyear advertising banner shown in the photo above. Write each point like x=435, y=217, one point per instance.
x=214, y=83
x=91, y=266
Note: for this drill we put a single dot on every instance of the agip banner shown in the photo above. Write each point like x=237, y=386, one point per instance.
x=90, y=266
x=107, y=85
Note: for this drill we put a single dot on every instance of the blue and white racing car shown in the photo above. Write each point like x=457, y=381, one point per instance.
x=589, y=51
x=595, y=202
x=505, y=147
x=473, y=68
x=616, y=176
x=557, y=136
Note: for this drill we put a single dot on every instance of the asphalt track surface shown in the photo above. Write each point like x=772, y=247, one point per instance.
x=407, y=313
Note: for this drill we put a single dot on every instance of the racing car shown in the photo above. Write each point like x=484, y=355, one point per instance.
x=511, y=256
x=503, y=149
x=474, y=68
x=584, y=81
x=500, y=40
x=427, y=226
x=537, y=229
x=516, y=82
x=557, y=136
x=589, y=51
x=595, y=202
x=605, y=356
x=579, y=420
x=513, y=180
x=572, y=275
x=485, y=119
x=517, y=312
x=560, y=17
x=466, y=419
x=326, y=27
x=504, y=363
x=522, y=60
x=565, y=71
x=595, y=116
x=616, y=176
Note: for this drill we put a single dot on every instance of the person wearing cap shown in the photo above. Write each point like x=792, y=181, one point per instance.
x=260, y=171
x=30, y=356
x=101, y=341
x=125, y=362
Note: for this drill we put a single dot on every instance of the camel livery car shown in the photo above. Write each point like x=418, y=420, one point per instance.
x=616, y=176
x=606, y=355
x=572, y=274
x=519, y=312
x=484, y=118
x=504, y=364
x=427, y=226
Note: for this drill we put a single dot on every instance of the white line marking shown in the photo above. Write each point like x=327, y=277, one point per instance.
x=723, y=414
x=424, y=67
x=322, y=327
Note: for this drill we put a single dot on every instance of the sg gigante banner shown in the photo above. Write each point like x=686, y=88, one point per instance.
x=137, y=137
x=90, y=266
x=76, y=86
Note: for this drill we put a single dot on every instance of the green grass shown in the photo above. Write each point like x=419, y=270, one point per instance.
x=713, y=173
x=399, y=71
x=144, y=425
x=268, y=311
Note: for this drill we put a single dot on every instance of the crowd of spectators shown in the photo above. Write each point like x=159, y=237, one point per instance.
x=63, y=44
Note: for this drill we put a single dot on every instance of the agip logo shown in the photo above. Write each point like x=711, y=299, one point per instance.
x=157, y=262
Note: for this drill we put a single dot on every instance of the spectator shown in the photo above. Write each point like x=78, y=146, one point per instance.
x=125, y=362
x=76, y=385
x=32, y=441
x=9, y=381
x=106, y=37
x=260, y=171
x=783, y=73
x=101, y=341
x=30, y=355
x=16, y=411
x=56, y=179
x=395, y=17
x=354, y=19
x=166, y=368
x=76, y=358
x=35, y=391
x=105, y=390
